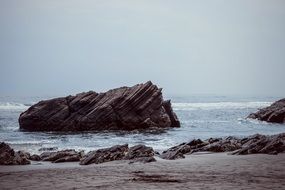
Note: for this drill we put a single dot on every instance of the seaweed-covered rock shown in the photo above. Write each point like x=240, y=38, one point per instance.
x=126, y=108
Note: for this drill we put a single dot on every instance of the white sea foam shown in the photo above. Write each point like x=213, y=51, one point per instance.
x=13, y=106
x=219, y=105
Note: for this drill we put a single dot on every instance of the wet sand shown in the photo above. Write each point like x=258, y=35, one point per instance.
x=200, y=171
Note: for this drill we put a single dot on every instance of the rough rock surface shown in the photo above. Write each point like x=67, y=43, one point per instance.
x=140, y=153
x=117, y=152
x=274, y=113
x=177, y=152
x=126, y=108
x=69, y=155
x=254, y=144
x=9, y=157
x=262, y=144
x=35, y=157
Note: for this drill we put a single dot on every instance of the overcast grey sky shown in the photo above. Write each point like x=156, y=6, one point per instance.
x=187, y=47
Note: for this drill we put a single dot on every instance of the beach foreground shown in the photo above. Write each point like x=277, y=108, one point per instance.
x=196, y=171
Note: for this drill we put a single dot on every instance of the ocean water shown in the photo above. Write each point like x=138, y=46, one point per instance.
x=201, y=117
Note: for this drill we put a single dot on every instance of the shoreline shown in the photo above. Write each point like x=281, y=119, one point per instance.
x=196, y=171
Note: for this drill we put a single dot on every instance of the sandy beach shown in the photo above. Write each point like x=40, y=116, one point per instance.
x=198, y=171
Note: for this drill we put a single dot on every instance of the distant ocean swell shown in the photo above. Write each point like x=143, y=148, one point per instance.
x=13, y=106
x=176, y=106
x=219, y=105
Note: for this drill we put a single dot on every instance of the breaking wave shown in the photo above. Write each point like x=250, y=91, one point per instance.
x=219, y=105
x=13, y=106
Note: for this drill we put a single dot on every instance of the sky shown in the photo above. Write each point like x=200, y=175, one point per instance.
x=61, y=47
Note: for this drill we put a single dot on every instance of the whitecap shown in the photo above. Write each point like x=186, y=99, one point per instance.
x=219, y=105
x=13, y=106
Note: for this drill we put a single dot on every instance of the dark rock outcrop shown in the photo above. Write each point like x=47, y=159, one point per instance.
x=178, y=151
x=143, y=160
x=274, y=113
x=9, y=157
x=255, y=144
x=35, y=157
x=69, y=155
x=126, y=108
x=117, y=152
x=223, y=145
x=140, y=153
x=262, y=144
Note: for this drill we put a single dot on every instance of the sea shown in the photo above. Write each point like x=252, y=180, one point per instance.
x=201, y=116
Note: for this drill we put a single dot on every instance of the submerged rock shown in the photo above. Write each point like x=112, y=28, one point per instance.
x=274, y=113
x=9, y=157
x=117, y=152
x=126, y=108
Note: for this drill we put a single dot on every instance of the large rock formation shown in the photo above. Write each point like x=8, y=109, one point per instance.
x=126, y=108
x=274, y=113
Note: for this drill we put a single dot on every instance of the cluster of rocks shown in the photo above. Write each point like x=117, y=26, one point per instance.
x=274, y=113
x=255, y=144
x=126, y=108
x=138, y=153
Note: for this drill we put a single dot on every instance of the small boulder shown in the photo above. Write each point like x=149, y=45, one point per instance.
x=178, y=152
x=139, y=151
x=9, y=157
x=35, y=157
x=127, y=108
x=117, y=152
x=69, y=155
